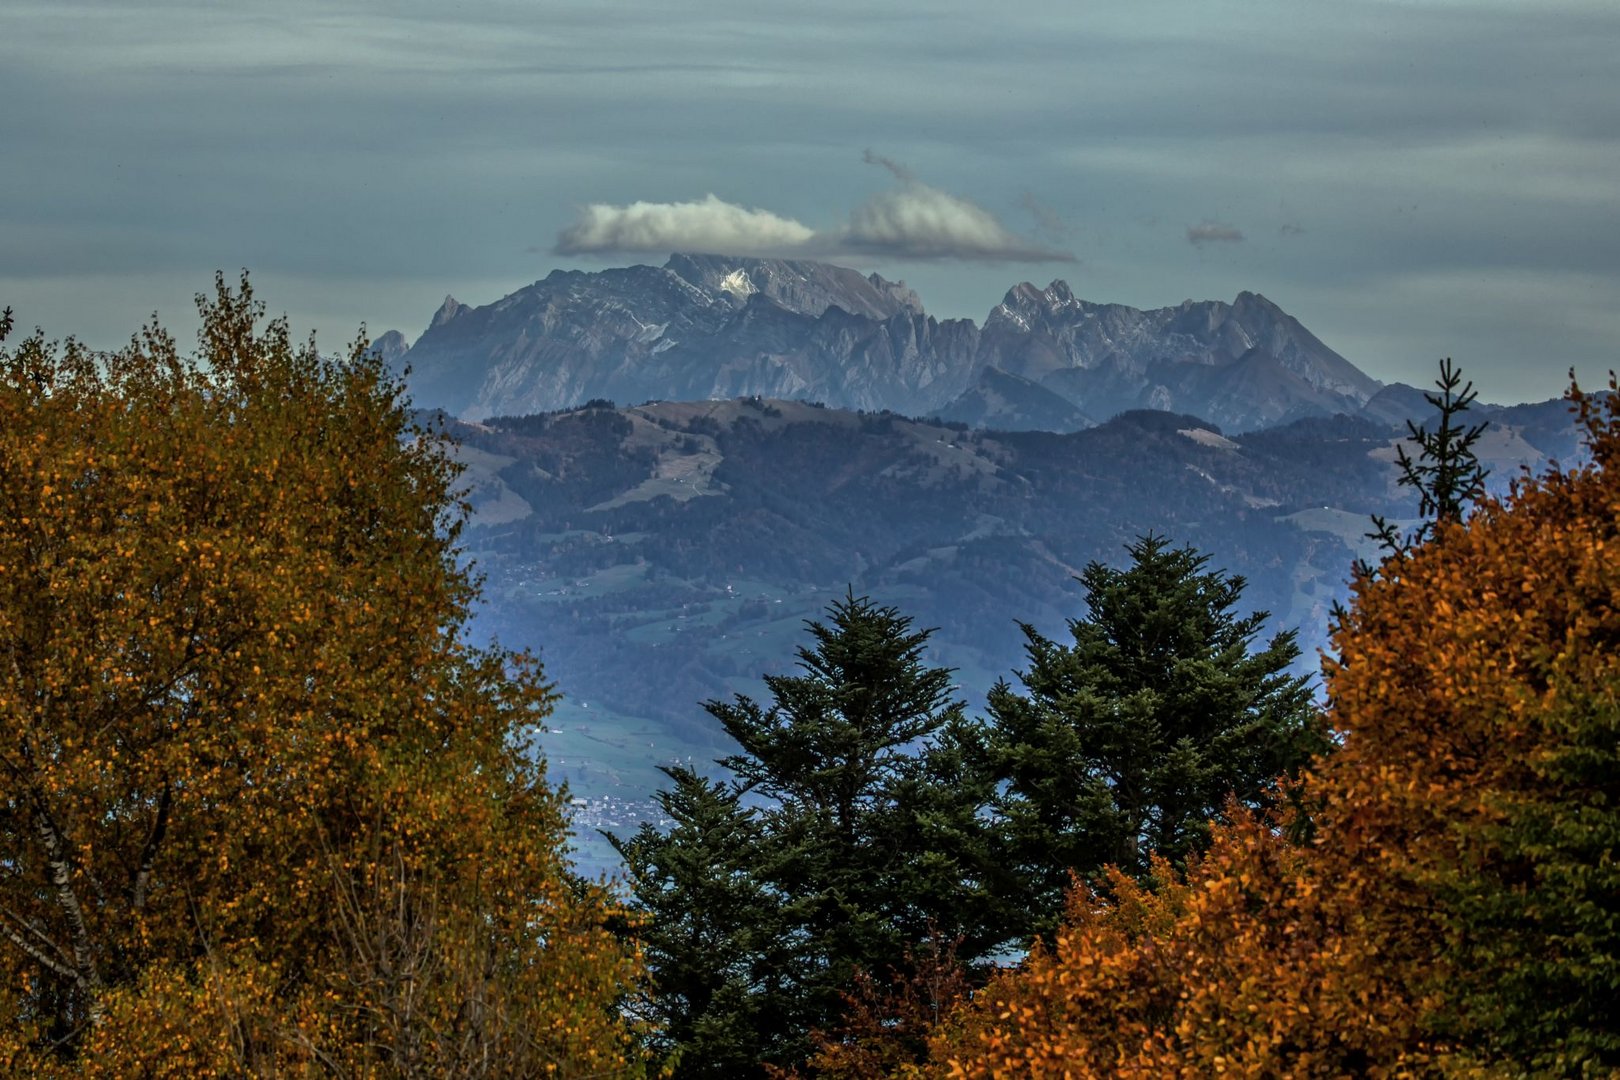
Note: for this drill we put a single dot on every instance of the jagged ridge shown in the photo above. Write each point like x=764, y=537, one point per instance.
x=713, y=327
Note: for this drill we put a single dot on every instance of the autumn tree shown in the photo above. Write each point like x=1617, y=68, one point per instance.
x=1458, y=911
x=886, y=1026
x=1482, y=685
x=263, y=807
x=1127, y=741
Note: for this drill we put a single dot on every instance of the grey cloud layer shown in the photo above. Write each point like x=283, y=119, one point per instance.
x=378, y=154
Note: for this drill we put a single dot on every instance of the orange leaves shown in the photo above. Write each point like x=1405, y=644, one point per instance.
x=222, y=663
x=1457, y=911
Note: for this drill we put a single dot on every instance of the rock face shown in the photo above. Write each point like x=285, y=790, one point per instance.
x=809, y=288
x=712, y=327
x=699, y=327
x=1243, y=365
x=390, y=346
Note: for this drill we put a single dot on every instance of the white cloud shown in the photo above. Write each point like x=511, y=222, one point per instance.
x=916, y=221
x=710, y=225
x=912, y=221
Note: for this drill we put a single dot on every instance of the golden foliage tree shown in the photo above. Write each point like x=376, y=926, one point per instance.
x=262, y=808
x=1458, y=910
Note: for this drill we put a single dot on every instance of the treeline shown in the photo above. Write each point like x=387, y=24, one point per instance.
x=867, y=822
x=1196, y=871
x=265, y=812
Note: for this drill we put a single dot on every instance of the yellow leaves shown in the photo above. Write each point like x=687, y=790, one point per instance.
x=216, y=628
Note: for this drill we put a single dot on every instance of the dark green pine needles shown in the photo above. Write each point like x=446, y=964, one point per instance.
x=1129, y=740
x=846, y=836
x=866, y=819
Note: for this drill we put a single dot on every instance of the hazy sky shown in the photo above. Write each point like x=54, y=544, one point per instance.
x=1409, y=179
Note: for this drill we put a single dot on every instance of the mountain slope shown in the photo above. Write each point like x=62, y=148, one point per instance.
x=1245, y=365
x=645, y=549
x=713, y=327
x=662, y=555
x=699, y=327
x=1003, y=401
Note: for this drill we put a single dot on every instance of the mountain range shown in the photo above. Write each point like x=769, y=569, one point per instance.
x=711, y=327
x=804, y=430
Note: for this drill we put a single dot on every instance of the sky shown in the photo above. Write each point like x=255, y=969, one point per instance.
x=1410, y=180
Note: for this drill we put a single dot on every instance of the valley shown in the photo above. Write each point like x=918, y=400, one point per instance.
x=659, y=556
x=805, y=432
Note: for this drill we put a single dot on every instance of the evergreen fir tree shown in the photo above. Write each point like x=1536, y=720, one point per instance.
x=845, y=836
x=1130, y=740
x=709, y=930
x=1446, y=474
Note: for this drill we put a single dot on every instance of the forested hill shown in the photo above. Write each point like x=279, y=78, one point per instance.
x=665, y=554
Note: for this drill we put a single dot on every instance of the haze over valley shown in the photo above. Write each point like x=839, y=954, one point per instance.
x=671, y=468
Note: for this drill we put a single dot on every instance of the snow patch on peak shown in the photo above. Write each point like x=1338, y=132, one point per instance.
x=1005, y=312
x=738, y=284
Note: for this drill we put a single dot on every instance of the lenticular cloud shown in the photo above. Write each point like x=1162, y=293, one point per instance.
x=912, y=221
x=709, y=224
x=919, y=222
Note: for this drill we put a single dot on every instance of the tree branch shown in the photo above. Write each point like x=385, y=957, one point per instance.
x=62, y=968
x=160, y=826
x=57, y=862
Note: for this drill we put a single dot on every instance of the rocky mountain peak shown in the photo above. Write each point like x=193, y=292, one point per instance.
x=1026, y=301
x=447, y=311
x=390, y=346
x=903, y=294
x=1023, y=295
x=1255, y=312
x=799, y=285
x=707, y=326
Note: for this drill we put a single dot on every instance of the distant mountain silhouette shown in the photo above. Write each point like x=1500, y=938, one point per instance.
x=705, y=327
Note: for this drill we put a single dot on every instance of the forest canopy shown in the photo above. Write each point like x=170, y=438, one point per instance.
x=1457, y=910
x=266, y=808
x=263, y=808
